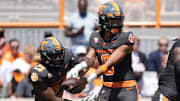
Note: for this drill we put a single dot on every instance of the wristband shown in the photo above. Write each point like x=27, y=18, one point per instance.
x=104, y=68
x=91, y=77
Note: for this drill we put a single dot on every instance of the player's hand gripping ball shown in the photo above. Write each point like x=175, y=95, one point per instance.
x=74, y=85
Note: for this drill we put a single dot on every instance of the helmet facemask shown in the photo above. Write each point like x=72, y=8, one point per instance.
x=113, y=25
x=54, y=60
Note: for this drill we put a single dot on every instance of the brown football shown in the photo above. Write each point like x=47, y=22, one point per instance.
x=69, y=84
x=73, y=85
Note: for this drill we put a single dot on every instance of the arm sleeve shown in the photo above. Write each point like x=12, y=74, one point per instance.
x=38, y=76
x=131, y=39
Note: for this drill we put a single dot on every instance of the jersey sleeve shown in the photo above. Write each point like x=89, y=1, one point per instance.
x=38, y=74
x=131, y=38
x=126, y=38
x=95, y=40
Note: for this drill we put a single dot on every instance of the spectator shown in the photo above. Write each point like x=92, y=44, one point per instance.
x=24, y=88
x=81, y=53
x=4, y=46
x=6, y=64
x=24, y=64
x=20, y=68
x=135, y=10
x=80, y=26
x=155, y=57
x=139, y=62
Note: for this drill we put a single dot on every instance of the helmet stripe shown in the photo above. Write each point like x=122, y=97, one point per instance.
x=56, y=43
x=117, y=10
x=101, y=9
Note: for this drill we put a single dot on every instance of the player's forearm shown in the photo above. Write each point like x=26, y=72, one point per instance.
x=84, y=64
x=89, y=61
x=117, y=56
x=90, y=57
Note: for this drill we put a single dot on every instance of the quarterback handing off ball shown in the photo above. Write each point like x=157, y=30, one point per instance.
x=70, y=85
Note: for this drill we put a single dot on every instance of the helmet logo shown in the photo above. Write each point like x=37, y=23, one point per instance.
x=96, y=40
x=42, y=44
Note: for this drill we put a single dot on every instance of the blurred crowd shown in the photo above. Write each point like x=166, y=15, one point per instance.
x=135, y=10
x=15, y=66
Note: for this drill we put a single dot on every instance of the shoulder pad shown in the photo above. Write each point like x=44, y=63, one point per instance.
x=95, y=40
x=124, y=38
x=38, y=74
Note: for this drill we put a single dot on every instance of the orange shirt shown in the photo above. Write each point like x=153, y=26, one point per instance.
x=18, y=77
x=9, y=57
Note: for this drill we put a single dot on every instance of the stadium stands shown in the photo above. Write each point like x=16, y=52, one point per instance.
x=37, y=11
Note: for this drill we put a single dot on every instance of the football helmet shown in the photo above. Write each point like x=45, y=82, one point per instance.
x=111, y=17
x=52, y=52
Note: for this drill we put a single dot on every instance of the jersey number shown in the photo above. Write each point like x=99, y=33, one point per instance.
x=39, y=68
x=104, y=58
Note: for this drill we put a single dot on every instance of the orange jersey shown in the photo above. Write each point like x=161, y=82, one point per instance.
x=9, y=57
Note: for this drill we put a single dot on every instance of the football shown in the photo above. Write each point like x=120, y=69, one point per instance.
x=73, y=85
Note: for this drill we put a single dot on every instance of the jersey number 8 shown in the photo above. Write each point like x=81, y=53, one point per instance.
x=104, y=58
